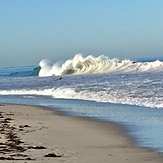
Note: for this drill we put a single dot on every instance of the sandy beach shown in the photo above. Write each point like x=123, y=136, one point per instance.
x=38, y=135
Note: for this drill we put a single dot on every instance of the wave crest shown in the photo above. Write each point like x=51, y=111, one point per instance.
x=95, y=65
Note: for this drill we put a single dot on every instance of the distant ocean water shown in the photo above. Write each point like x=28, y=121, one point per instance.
x=129, y=92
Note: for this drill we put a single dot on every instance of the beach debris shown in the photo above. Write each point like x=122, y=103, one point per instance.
x=15, y=147
x=36, y=147
x=1, y=116
x=10, y=113
x=52, y=155
x=23, y=126
x=11, y=145
x=18, y=155
x=43, y=127
x=9, y=139
x=8, y=119
x=12, y=158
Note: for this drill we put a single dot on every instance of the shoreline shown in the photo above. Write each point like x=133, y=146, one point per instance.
x=40, y=134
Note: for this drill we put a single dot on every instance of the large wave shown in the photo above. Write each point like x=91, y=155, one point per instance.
x=95, y=65
x=20, y=71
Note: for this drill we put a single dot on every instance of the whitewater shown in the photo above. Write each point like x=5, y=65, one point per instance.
x=89, y=78
x=129, y=92
x=96, y=65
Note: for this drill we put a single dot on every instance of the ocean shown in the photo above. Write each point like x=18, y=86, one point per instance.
x=128, y=92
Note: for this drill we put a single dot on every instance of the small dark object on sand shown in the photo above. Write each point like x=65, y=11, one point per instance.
x=52, y=155
x=1, y=116
x=12, y=158
x=8, y=119
x=22, y=126
x=36, y=147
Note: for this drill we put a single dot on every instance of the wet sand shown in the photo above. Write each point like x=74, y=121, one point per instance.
x=38, y=135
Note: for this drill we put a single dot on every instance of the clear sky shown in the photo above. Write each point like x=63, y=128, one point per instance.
x=32, y=30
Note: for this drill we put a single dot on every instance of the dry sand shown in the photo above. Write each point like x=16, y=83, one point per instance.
x=28, y=134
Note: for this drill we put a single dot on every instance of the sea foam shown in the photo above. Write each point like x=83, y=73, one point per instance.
x=96, y=65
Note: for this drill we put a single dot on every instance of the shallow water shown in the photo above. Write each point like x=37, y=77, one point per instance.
x=144, y=124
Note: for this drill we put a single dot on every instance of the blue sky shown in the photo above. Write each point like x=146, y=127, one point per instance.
x=31, y=30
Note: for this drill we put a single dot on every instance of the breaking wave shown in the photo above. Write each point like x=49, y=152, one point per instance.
x=96, y=65
x=83, y=94
x=84, y=65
